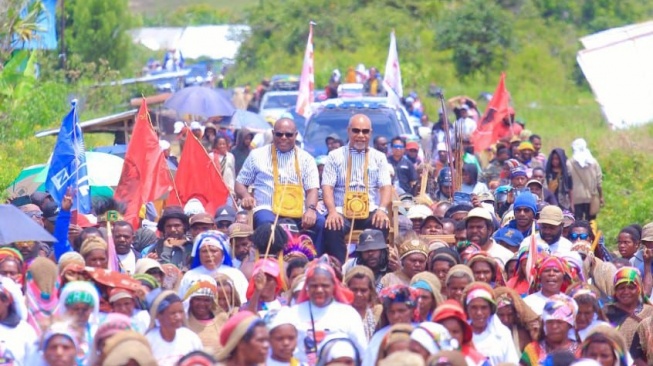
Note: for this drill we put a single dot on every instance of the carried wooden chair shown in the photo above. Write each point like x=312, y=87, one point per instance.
x=449, y=239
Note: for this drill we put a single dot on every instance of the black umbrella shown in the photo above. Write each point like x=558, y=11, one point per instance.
x=15, y=226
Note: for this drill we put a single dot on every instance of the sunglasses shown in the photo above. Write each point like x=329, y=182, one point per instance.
x=364, y=131
x=287, y=134
x=576, y=236
x=397, y=146
x=37, y=214
x=223, y=224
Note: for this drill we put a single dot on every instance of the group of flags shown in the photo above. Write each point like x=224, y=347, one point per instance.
x=391, y=82
x=145, y=176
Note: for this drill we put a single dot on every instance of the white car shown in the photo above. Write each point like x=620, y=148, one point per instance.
x=275, y=103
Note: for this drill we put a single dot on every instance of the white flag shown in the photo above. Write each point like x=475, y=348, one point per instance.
x=307, y=79
x=392, y=75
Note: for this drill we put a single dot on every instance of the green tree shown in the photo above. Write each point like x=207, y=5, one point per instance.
x=97, y=29
x=479, y=33
x=16, y=25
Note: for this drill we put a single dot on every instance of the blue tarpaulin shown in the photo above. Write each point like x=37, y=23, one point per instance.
x=46, y=36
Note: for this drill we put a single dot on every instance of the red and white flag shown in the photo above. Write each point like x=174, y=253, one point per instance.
x=307, y=80
x=392, y=75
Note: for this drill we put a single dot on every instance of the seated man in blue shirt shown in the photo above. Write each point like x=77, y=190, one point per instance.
x=405, y=174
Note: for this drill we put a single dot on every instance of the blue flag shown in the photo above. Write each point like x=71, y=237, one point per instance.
x=68, y=165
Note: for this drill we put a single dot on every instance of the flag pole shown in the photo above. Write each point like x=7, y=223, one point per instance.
x=172, y=178
x=73, y=217
x=274, y=225
x=447, y=135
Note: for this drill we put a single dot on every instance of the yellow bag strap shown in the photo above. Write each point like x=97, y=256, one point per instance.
x=365, y=175
x=275, y=166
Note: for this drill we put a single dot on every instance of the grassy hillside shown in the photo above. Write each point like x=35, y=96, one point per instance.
x=155, y=6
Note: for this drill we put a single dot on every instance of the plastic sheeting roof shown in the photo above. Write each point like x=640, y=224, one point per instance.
x=617, y=64
x=212, y=41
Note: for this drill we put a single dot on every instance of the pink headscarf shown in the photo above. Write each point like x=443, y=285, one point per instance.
x=340, y=293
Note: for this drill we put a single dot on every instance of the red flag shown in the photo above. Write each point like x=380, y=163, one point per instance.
x=198, y=177
x=307, y=79
x=145, y=176
x=487, y=130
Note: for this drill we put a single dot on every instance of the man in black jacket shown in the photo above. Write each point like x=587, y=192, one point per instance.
x=175, y=247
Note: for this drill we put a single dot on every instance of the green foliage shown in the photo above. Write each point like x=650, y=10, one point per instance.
x=595, y=15
x=479, y=32
x=16, y=25
x=97, y=29
x=197, y=14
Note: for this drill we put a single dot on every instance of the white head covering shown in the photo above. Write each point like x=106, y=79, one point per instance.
x=433, y=337
x=164, y=145
x=17, y=296
x=193, y=206
x=178, y=126
x=194, y=289
x=337, y=346
x=80, y=286
x=277, y=318
x=582, y=154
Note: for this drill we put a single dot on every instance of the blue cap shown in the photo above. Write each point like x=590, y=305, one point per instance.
x=518, y=171
x=509, y=236
x=527, y=200
x=445, y=178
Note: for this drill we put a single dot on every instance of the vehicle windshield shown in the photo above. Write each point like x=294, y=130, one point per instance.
x=280, y=101
x=327, y=122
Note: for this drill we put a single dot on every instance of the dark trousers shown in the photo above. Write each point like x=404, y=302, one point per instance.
x=582, y=212
x=317, y=231
x=334, y=240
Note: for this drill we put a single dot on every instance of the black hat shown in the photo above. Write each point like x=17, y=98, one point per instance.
x=50, y=211
x=371, y=239
x=172, y=212
x=225, y=213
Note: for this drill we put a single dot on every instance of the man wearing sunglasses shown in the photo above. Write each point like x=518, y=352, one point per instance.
x=361, y=192
x=405, y=173
x=285, y=182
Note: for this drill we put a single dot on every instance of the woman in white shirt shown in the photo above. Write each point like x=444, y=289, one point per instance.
x=210, y=256
x=589, y=313
x=490, y=337
x=323, y=309
x=16, y=336
x=169, y=338
x=552, y=278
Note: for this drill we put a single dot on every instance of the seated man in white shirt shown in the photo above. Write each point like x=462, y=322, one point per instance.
x=550, y=235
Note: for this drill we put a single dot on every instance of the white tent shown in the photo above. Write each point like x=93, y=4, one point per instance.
x=617, y=64
x=212, y=41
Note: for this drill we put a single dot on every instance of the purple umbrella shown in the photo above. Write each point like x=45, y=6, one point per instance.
x=200, y=101
x=15, y=226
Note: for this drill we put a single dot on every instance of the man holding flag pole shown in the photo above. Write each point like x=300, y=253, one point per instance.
x=67, y=180
x=68, y=164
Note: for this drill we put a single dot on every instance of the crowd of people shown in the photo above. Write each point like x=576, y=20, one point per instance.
x=311, y=263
